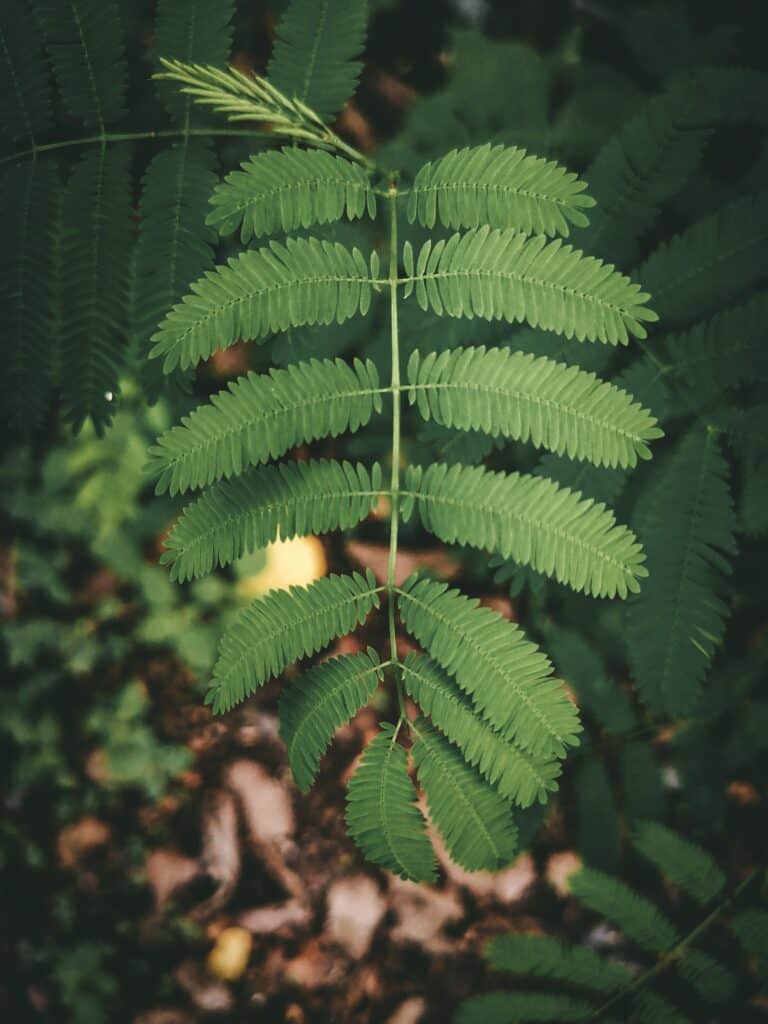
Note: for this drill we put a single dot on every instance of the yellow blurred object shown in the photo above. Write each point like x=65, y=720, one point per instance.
x=229, y=956
x=295, y=562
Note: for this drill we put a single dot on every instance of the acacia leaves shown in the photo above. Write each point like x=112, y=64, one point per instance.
x=504, y=275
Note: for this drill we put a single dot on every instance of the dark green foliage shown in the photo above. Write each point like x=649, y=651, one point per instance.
x=675, y=625
x=620, y=989
x=94, y=285
x=634, y=915
x=25, y=101
x=87, y=49
x=29, y=198
x=711, y=263
x=315, y=53
x=175, y=246
x=682, y=861
x=196, y=31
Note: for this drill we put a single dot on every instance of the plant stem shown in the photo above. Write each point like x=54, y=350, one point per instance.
x=394, y=488
x=677, y=952
x=91, y=140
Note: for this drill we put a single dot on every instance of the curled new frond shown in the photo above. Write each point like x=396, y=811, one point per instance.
x=305, y=281
x=504, y=275
x=474, y=822
x=510, y=769
x=685, y=863
x=318, y=703
x=235, y=517
x=286, y=625
x=532, y=520
x=501, y=186
x=382, y=816
x=290, y=189
x=260, y=417
x=515, y=395
x=240, y=96
x=508, y=678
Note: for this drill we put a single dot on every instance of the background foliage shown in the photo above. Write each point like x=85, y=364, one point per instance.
x=661, y=109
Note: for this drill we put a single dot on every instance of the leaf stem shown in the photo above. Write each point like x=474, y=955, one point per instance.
x=101, y=139
x=394, y=516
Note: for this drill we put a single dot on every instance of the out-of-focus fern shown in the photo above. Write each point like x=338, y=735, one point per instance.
x=614, y=990
x=674, y=627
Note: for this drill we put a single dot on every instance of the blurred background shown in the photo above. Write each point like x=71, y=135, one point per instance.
x=159, y=866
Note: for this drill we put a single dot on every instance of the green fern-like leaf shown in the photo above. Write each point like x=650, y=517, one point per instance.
x=475, y=823
x=314, y=59
x=322, y=700
x=197, y=32
x=518, y=396
x=500, y=186
x=651, y=1008
x=305, y=281
x=85, y=42
x=676, y=623
x=25, y=95
x=723, y=352
x=640, y=920
x=531, y=520
x=235, y=517
x=599, y=828
x=284, y=626
x=261, y=417
x=505, y=275
x=711, y=263
x=711, y=979
x=685, y=863
x=28, y=208
x=507, y=677
x=95, y=264
x=382, y=816
x=643, y=165
x=514, y=1008
x=175, y=247
x=510, y=769
x=290, y=189
x=540, y=956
